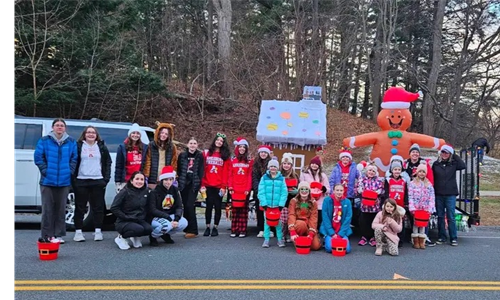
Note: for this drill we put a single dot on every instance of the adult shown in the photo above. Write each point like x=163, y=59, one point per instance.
x=303, y=216
x=481, y=145
x=55, y=156
x=165, y=209
x=216, y=163
x=445, y=186
x=93, y=170
x=161, y=152
x=258, y=170
x=130, y=157
x=190, y=172
x=130, y=207
x=314, y=173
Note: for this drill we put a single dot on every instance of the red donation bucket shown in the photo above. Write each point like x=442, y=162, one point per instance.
x=368, y=198
x=291, y=183
x=421, y=218
x=273, y=216
x=339, y=246
x=238, y=199
x=48, y=251
x=303, y=245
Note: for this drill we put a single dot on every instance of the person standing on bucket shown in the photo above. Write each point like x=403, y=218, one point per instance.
x=55, y=156
x=272, y=193
x=303, y=216
x=337, y=214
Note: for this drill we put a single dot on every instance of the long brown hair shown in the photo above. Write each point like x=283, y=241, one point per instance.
x=82, y=136
x=130, y=144
x=396, y=216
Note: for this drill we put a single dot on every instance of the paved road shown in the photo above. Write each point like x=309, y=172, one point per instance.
x=225, y=268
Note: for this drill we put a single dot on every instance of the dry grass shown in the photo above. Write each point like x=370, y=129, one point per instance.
x=489, y=210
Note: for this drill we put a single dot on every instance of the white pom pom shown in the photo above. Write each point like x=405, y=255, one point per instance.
x=360, y=167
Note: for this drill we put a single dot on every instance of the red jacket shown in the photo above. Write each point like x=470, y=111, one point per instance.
x=216, y=170
x=240, y=175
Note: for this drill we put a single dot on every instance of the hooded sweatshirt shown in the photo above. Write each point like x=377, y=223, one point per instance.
x=157, y=158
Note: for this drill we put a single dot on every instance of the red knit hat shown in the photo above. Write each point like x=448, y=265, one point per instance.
x=398, y=98
x=316, y=160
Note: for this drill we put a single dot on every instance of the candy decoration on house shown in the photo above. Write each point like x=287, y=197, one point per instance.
x=393, y=139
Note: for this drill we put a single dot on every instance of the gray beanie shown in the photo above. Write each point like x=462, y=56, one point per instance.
x=273, y=163
x=396, y=164
x=414, y=147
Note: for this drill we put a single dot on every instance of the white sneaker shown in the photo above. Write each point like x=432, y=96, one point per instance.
x=136, y=242
x=56, y=240
x=261, y=234
x=79, y=237
x=122, y=243
x=60, y=239
x=98, y=236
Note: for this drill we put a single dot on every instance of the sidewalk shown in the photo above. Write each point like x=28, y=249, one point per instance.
x=490, y=193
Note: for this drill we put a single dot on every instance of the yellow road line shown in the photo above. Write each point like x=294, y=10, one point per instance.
x=257, y=281
x=256, y=287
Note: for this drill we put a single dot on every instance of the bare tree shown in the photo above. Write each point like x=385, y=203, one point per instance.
x=224, y=15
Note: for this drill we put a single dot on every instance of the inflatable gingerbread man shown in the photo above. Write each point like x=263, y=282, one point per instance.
x=393, y=139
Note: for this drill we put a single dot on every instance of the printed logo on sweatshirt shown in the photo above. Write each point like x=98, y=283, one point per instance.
x=241, y=171
x=217, y=161
x=168, y=202
x=213, y=170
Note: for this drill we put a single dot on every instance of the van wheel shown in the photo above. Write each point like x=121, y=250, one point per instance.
x=70, y=214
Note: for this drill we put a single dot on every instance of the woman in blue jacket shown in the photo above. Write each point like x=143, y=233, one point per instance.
x=337, y=215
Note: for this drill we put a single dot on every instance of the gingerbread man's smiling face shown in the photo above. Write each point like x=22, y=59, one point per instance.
x=394, y=119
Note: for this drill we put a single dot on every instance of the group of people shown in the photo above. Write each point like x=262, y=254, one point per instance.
x=157, y=188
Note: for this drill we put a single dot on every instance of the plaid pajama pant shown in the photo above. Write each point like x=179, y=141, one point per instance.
x=239, y=219
x=284, y=221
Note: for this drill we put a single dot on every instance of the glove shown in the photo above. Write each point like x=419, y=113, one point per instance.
x=293, y=192
x=310, y=235
x=281, y=208
x=323, y=189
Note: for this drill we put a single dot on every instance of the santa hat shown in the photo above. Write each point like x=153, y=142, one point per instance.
x=422, y=166
x=240, y=141
x=448, y=148
x=273, y=163
x=414, y=147
x=361, y=166
x=316, y=185
x=167, y=172
x=398, y=98
x=265, y=148
x=304, y=184
x=287, y=158
x=345, y=152
x=134, y=128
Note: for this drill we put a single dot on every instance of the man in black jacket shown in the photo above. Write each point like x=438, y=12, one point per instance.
x=481, y=145
x=446, y=190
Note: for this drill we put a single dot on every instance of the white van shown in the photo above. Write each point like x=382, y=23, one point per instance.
x=27, y=188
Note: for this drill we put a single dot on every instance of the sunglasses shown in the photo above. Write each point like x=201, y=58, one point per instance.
x=304, y=190
x=222, y=135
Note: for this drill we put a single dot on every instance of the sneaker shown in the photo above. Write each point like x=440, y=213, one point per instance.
x=153, y=242
x=233, y=235
x=265, y=244
x=362, y=242
x=372, y=242
x=454, y=243
x=122, y=243
x=288, y=239
x=136, y=242
x=61, y=241
x=190, y=235
x=271, y=234
x=440, y=241
x=281, y=244
x=98, y=236
x=429, y=243
x=215, y=232
x=79, y=237
x=167, y=238
x=242, y=235
x=261, y=234
x=55, y=240
x=207, y=232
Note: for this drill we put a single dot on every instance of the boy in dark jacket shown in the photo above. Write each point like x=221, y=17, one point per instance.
x=445, y=186
x=165, y=208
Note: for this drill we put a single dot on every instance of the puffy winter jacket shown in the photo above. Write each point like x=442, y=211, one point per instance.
x=272, y=191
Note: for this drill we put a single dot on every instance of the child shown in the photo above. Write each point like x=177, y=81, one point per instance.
x=387, y=224
x=303, y=216
x=369, y=181
x=240, y=184
x=292, y=181
x=420, y=197
x=315, y=173
x=272, y=194
x=258, y=170
x=395, y=187
x=337, y=214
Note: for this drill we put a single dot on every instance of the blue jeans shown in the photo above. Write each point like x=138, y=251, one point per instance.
x=446, y=204
x=328, y=244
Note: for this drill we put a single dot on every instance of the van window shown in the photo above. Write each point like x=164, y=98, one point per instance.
x=27, y=135
x=111, y=136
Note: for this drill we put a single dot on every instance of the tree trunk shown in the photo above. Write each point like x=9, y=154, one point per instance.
x=224, y=15
x=428, y=106
x=210, y=45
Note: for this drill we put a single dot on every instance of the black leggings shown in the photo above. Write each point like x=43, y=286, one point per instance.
x=213, y=200
x=188, y=200
x=135, y=229
x=365, y=224
x=259, y=213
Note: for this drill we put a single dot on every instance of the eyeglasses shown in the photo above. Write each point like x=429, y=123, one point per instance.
x=222, y=135
x=304, y=190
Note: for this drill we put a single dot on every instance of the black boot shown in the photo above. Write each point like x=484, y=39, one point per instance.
x=153, y=242
x=166, y=237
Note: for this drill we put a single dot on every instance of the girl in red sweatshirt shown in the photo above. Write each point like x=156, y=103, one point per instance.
x=217, y=160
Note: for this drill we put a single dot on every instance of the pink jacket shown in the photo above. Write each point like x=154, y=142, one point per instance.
x=393, y=228
x=306, y=176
